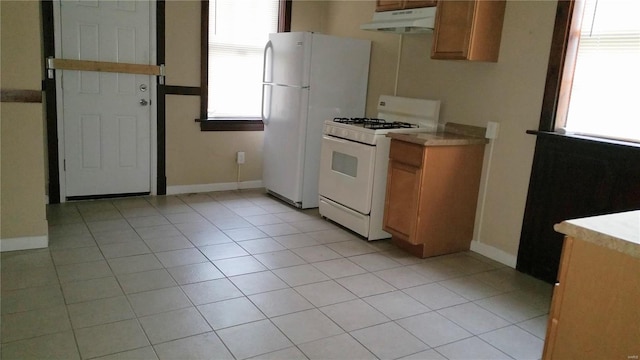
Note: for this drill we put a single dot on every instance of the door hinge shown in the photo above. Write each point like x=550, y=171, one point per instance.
x=162, y=74
x=64, y=165
x=50, y=68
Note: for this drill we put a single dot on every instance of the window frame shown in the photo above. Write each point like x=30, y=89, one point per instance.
x=562, y=59
x=232, y=124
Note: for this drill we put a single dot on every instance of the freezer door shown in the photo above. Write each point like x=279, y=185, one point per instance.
x=287, y=59
x=339, y=76
x=285, y=121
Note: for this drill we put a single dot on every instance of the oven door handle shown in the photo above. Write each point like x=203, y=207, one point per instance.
x=340, y=140
x=336, y=139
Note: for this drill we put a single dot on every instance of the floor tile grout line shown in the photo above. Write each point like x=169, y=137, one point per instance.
x=475, y=336
x=511, y=323
x=131, y=307
x=128, y=302
x=521, y=288
x=59, y=285
x=267, y=317
x=64, y=300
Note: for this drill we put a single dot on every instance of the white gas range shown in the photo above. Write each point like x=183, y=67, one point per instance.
x=354, y=159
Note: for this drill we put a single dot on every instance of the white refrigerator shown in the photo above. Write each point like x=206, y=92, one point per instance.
x=308, y=78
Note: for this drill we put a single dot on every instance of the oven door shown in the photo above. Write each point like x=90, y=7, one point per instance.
x=346, y=172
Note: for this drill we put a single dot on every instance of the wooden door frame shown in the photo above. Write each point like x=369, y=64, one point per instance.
x=158, y=130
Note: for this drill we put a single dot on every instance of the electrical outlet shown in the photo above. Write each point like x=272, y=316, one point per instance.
x=240, y=157
x=492, y=130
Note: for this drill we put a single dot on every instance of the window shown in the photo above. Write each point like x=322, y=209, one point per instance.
x=599, y=89
x=234, y=33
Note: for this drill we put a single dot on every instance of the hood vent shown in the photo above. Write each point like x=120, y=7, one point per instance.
x=409, y=21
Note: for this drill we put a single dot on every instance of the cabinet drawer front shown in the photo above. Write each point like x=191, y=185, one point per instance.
x=406, y=153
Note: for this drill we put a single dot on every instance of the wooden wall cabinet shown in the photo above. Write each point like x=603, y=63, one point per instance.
x=431, y=197
x=468, y=30
x=389, y=5
x=594, y=312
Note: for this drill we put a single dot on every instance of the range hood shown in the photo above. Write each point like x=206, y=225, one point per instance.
x=409, y=21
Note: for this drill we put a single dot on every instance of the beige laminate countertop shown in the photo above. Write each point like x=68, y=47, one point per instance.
x=620, y=231
x=438, y=138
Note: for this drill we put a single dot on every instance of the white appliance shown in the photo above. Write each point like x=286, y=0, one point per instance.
x=408, y=21
x=307, y=78
x=354, y=161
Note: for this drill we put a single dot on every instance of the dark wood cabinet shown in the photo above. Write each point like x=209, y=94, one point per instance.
x=468, y=30
x=573, y=177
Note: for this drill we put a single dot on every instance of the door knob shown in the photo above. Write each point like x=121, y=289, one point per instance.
x=144, y=102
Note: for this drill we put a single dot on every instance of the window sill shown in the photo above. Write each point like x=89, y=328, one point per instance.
x=230, y=125
x=593, y=139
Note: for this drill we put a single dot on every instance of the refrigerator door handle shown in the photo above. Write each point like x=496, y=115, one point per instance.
x=267, y=47
x=265, y=114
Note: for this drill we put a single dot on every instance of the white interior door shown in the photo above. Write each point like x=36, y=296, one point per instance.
x=106, y=116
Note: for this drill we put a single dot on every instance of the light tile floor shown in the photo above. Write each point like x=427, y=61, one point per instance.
x=240, y=275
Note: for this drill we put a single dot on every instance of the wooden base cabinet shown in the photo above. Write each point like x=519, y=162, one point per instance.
x=595, y=311
x=468, y=30
x=431, y=197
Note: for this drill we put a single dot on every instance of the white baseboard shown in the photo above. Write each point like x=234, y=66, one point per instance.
x=24, y=243
x=494, y=253
x=198, y=188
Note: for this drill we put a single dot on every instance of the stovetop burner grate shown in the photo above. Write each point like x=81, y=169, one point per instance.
x=373, y=123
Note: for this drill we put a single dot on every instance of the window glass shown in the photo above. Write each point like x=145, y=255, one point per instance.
x=238, y=32
x=344, y=164
x=606, y=80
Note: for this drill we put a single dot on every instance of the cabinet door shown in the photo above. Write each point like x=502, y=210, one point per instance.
x=388, y=5
x=556, y=301
x=401, y=203
x=412, y=4
x=468, y=30
x=451, y=36
x=598, y=315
